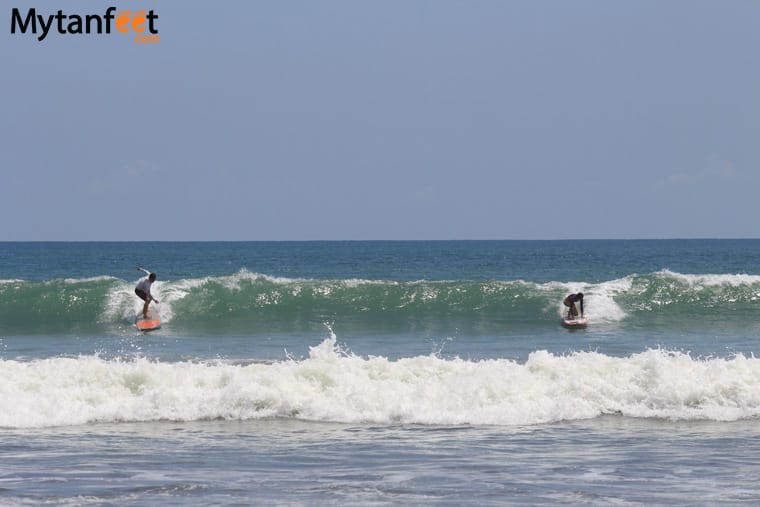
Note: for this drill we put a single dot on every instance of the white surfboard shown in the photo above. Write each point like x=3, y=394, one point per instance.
x=576, y=322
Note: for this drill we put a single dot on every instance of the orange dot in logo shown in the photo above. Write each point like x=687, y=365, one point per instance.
x=122, y=21
x=138, y=20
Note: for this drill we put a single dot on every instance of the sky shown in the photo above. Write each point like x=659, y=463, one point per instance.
x=393, y=119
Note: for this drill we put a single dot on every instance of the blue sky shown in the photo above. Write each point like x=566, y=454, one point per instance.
x=300, y=120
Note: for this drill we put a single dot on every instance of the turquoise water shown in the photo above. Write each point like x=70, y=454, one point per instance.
x=318, y=373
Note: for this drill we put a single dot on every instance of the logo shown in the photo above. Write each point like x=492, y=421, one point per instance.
x=141, y=24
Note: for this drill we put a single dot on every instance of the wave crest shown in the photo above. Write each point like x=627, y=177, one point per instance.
x=251, y=303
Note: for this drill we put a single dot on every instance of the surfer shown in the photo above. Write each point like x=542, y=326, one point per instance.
x=143, y=289
x=570, y=301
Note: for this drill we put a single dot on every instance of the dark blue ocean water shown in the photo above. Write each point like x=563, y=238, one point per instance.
x=320, y=373
x=539, y=261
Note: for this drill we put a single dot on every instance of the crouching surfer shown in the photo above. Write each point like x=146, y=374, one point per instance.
x=570, y=301
x=143, y=289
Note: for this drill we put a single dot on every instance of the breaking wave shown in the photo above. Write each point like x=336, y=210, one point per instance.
x=246, y=302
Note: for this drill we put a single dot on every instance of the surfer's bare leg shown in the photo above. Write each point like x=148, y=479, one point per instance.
x=145, y=308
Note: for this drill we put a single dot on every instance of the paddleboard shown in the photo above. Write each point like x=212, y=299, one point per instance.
x=576, y=322
x=152, y=322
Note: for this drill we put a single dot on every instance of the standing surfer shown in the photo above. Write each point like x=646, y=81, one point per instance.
x=570, y=301
x=143, y=289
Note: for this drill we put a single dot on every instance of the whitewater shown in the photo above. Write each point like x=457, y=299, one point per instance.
x=334, y=386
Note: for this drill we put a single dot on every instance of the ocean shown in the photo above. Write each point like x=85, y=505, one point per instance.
x=381, y=373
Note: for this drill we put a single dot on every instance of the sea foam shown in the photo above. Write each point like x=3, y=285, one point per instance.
x=334, y=385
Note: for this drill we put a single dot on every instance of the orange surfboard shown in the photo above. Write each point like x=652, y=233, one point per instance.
x=152, y=322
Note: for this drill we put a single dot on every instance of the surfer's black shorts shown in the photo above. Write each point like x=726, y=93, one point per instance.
x=141, y=294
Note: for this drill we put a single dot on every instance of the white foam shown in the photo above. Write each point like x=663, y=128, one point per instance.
x=99, y=278
x=601, y=302
x=333, y=385
x=122, y=303
x=598, y=299
x=712, y=280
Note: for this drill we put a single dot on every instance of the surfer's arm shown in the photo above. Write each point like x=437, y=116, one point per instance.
x=140, y=268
